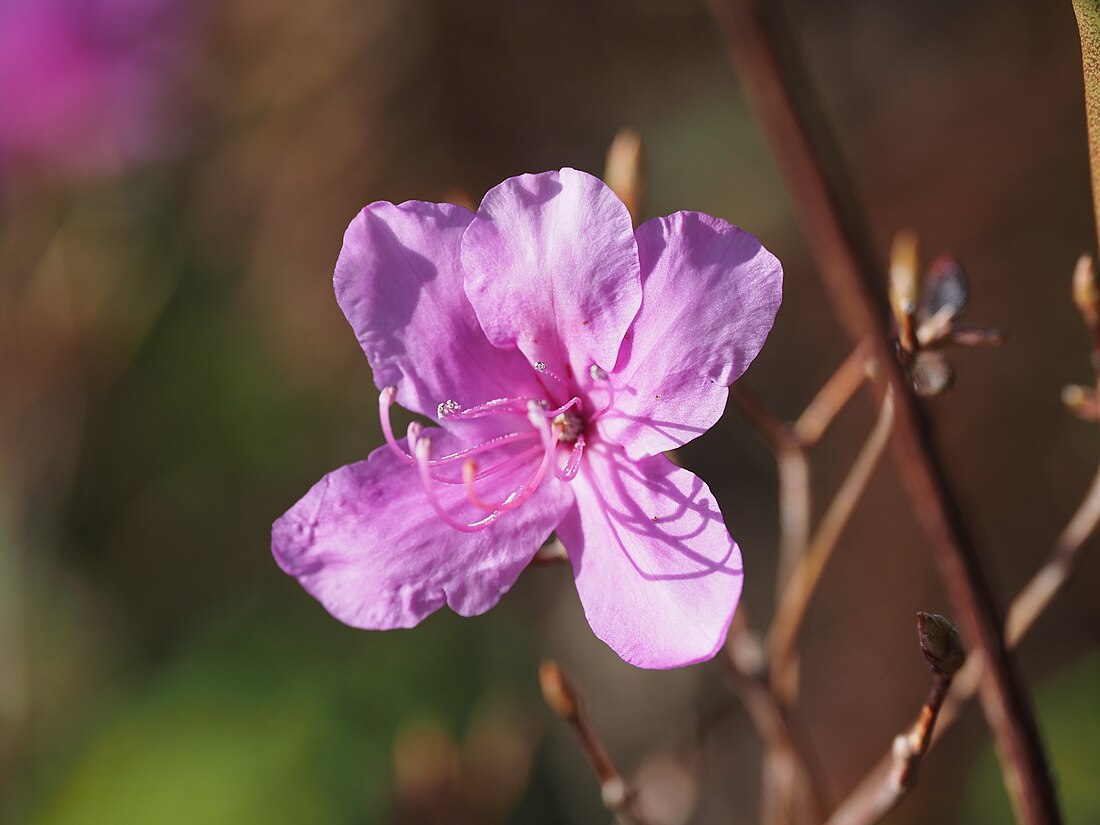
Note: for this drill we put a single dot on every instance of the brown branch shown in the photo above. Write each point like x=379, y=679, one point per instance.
x=563, y=698
x=796, y=598
x=771, y=82
x=1036, y=596
x=1022, y=614
x=791, y=789
x=881, y=793
x=793, y=469
x=791, y=447
x=831, y=398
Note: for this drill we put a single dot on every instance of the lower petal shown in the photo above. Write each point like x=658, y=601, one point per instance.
x=366, y=544
x=657, y=572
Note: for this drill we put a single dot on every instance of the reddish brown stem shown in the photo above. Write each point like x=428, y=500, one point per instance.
x=883, y=790
x=563, y=698
x=771, y=81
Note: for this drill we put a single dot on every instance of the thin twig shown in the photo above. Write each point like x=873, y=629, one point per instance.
x=795, y=601
x=1025, y=610
x=890, y=785
x=1040, y=591
x=564, y=699
x=791, y=447
x=831, y=398
x=848, y=268
x=791, y=788
x=793, y=470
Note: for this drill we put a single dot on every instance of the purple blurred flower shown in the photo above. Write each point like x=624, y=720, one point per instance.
x=85, y=84
x=561, y=352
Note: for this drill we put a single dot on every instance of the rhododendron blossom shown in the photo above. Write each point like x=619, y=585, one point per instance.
x=560, y=352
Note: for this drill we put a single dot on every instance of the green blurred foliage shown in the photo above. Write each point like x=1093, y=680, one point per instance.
x=1068, y=714
x=277, y=716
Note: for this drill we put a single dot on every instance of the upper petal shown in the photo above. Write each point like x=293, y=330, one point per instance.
x=399, y=282
x=365, y=543
x=710, y=293
x=658, y=573
x=552, y=268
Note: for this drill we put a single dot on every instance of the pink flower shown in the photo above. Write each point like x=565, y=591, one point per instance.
x=561, y=352
x=85, y=85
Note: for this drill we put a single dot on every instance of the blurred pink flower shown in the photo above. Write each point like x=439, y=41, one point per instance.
x=561, y=352
x=85, y=84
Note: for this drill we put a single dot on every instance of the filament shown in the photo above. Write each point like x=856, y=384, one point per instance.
x=521, y=493
x=423, y=451
x=385, y=401
x=573, y=465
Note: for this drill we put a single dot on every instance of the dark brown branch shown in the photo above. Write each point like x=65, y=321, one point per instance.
x=1025, y=609
x=772, y=82
x=563, y=698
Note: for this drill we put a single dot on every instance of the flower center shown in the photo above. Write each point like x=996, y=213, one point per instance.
x=537, y=446
x=571, y=426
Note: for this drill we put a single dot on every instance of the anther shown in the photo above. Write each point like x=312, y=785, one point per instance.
x=597, y=373
x=541, y=368
x=447, y=407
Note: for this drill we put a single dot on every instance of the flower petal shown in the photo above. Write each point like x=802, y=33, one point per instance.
x=658, y=573
x=710, y=293
x=552, y=268
x=399, y=283
x=366, y=544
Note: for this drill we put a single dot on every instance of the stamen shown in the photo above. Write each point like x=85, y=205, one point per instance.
x=423, y=451
x=601, y=377
x=412, y=433
x=447, y=408
x=385, y=401
x=498, y=441
x=521, y=493
x=516, y=458
x=572, y=402
x=536, y=414
x=540, y=366
x=497, y=406
x=573, y=465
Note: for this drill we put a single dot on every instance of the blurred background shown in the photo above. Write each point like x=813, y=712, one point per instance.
x=175, y=179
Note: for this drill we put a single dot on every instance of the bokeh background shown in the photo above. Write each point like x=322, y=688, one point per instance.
x=175, y=179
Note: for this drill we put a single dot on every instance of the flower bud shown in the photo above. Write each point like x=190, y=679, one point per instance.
x=904, y=287
x=557, y=691
x=623, y=171
x=940, y=643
